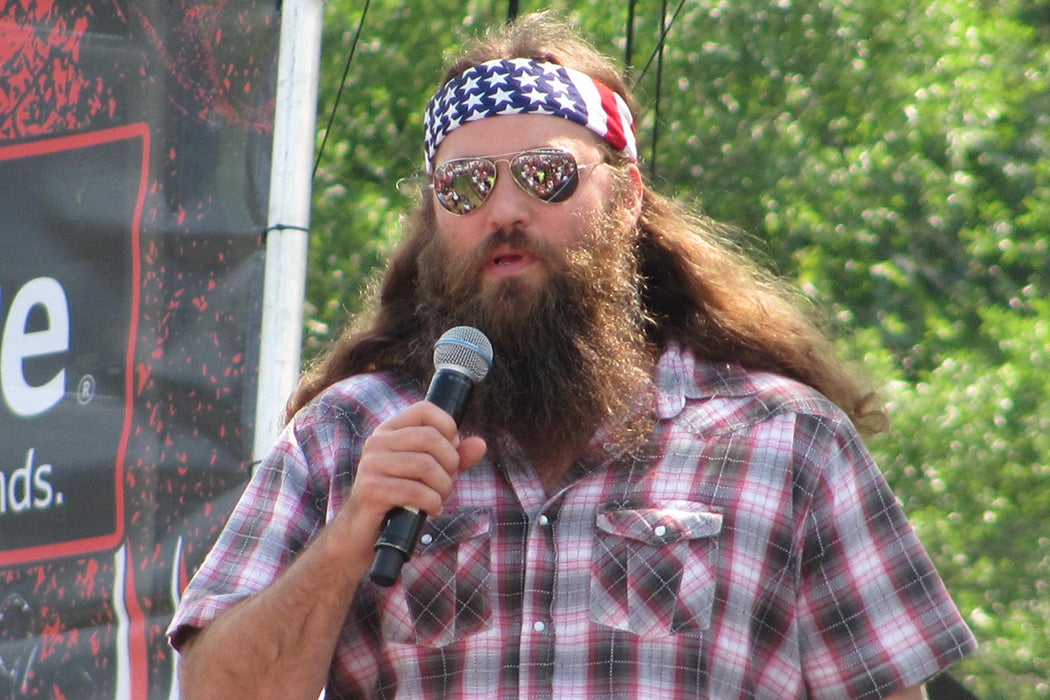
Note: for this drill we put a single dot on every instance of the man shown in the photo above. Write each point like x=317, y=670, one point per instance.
x=659, y=489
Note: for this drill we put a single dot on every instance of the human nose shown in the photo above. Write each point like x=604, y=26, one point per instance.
x=507, y=205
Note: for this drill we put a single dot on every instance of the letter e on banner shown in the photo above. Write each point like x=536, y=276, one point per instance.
x=69, y=305
x=18, y=345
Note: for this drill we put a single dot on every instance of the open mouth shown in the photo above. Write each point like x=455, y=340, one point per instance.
x=507, y=259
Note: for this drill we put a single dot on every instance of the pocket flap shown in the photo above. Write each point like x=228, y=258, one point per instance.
x=673, y=521
x=453, y=527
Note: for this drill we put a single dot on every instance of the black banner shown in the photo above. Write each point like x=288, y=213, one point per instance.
x=134, y=169
x=70, y=298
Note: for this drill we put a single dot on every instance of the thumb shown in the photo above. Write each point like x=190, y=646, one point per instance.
x=470, y=449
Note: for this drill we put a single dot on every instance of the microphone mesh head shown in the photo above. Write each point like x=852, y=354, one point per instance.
x=464, y=348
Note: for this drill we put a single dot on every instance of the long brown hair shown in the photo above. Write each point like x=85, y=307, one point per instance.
x=700, y=289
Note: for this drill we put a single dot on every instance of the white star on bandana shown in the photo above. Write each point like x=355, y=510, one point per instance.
x=521, y=86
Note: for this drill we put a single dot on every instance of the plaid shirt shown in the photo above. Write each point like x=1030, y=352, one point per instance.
x=751, y=550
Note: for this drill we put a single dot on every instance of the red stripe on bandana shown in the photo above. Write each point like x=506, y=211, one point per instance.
x=615, y=134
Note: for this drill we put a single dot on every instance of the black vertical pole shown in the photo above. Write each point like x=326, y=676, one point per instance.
x=512, y=10
x=659, y=84
x=628, y=52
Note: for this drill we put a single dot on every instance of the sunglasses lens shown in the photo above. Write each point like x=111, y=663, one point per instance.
x=547, y=174
x=463, y=185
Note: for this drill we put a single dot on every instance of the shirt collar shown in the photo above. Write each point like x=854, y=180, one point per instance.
x=680, y=377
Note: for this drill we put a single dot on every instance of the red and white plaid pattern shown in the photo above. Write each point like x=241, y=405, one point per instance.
x=750, y=550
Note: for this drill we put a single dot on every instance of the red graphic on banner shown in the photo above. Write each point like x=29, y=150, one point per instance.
x=208, y=67
x=44, y=90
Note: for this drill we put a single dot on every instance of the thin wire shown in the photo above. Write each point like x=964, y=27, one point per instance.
x=663, y=38
x=659, y=86
x=342, y=84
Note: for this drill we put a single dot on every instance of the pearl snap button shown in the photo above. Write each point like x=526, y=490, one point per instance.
x=544, y=520
x=660, y=530
x=427, y=538
x=539, y=626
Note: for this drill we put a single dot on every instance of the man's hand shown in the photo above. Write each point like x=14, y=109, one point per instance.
x=280, y=642
x=410, y=460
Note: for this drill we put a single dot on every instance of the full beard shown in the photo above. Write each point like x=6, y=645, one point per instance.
x=571, y=357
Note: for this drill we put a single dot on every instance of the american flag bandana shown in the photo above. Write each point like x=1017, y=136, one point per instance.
x=522, y=86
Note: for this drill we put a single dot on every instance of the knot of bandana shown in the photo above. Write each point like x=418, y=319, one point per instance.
x=522, y=86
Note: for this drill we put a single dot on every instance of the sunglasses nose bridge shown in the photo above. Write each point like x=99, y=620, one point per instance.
x=509, y=203
x=504, y=171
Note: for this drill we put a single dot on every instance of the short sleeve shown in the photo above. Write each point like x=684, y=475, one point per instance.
x=294, y=492
x=275, y=517
x=874, y=615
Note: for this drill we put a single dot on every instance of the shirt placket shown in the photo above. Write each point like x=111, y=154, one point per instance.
x=537, y=629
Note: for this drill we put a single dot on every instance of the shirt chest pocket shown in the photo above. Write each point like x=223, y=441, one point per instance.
x=653, y=569
x=443, y=592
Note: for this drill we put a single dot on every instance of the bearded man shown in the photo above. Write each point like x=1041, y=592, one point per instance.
x=660, y=489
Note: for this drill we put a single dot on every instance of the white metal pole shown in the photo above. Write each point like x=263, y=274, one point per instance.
x=284, y=286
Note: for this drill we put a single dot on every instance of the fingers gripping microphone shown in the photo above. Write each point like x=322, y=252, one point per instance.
x=462, y=358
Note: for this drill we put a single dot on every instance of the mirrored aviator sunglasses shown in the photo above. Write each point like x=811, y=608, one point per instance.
x=550, y=175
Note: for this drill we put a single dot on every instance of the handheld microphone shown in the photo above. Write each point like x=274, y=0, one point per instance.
x=462, y=358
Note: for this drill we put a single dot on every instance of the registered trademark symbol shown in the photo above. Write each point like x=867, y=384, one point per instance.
x=86, y=389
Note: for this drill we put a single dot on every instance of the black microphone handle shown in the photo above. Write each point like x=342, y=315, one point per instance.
x=450, y=391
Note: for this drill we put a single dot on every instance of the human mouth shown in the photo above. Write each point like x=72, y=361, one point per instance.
x=508, y=261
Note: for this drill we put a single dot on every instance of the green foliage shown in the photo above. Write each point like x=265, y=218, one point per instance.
x=375, y=141
x=894, y=158
x=968, y=457
x=892, y=153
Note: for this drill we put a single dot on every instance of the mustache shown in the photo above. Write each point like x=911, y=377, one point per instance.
x=464, y=270
x=515, y=237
